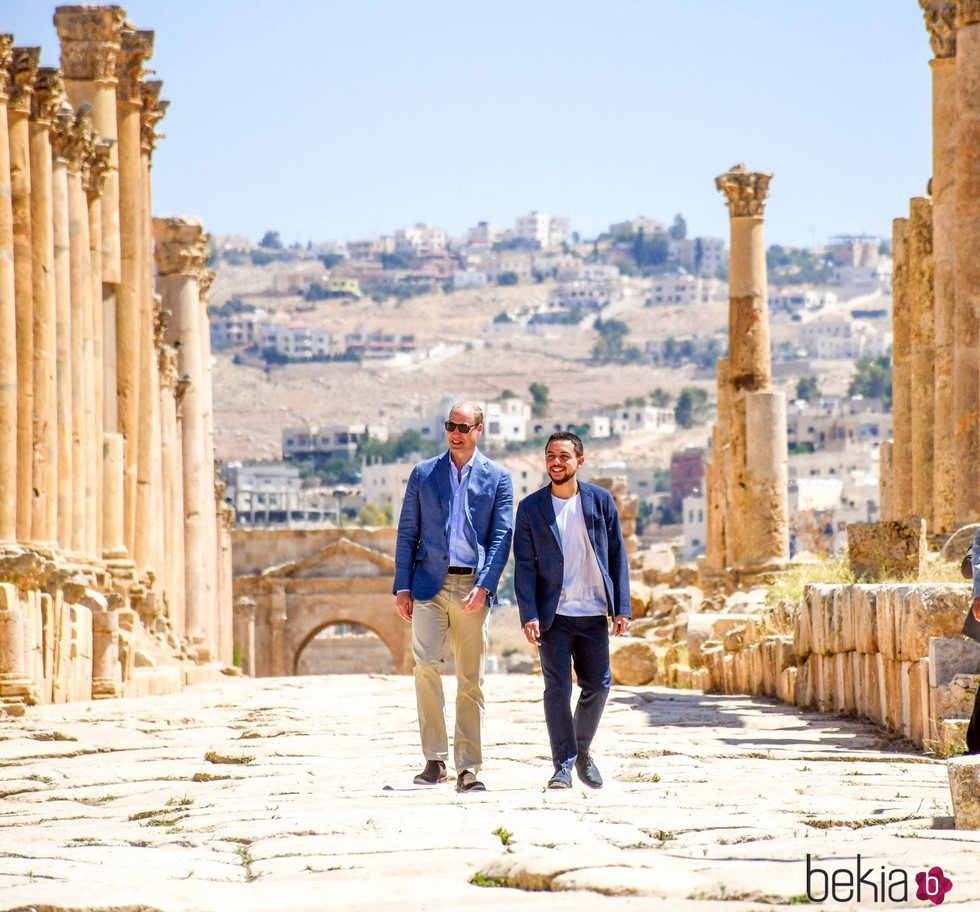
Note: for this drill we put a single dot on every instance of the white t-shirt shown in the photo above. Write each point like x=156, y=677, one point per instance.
x=583, y=593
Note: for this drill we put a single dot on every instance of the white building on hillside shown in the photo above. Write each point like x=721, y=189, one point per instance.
x=548, y=230
x=298, y=343
x=685, y=289
x=383, y=484
x=642, y=418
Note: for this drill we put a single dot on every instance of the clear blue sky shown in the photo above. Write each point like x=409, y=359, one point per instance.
x=341, y=120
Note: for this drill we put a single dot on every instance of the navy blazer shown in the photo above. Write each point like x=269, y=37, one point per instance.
x=422, y=544
x=539, y=565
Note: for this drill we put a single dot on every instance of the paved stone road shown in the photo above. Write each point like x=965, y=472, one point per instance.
x=295, y=794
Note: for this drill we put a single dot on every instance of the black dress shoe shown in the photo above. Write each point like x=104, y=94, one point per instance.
x=466, y=781
x=587, y=771
x=562, y=778
x=433, y=774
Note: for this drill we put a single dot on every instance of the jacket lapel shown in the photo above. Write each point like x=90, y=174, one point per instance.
x=444, y=487
x=548, y=512
x=588, y=511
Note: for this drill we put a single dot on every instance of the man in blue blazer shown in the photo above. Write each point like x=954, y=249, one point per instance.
x=453, y=542
x=571, y=575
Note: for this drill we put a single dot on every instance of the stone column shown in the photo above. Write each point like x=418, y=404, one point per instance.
x=748, y=350
x=245, y=635
x=23, y=70
x=106, y=670
x=132, y=306
x=94, y=185
x=61, y=140
x=886, y=481
x=114, y=544
x=219, y=620
x=767, y=532
x=173, y=490
x=83, y=463
x=8, y=319
x=940, y=18
x=49, y=98
x=181, y=256
x=966, y=389
x=278, y=619
x=901, y=371
x=922, y=354
x=716, y=556
x=90, y=39
x=225, y=595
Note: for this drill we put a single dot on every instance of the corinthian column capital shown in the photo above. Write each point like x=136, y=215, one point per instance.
x=181, y=246
x=136, y=47
x=89, y=38
x=940, y=16
x=24, y=65
x=745, y=190
x=6, y=55
x=97, y=166
x=49, y=95
x=151, y=113
x=967, y=12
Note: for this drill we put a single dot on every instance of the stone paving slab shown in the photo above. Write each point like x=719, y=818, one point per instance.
x=296, y=794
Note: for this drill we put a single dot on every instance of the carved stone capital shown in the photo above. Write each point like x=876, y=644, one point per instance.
x=89, y=38
x=181, y=246
x=205, y=282
x=151, y=113
x=967, y=12
x=6, y=55
x=745, y=190
x=97, y=166
x=940, y=16
x=167, y=361
x=136, y=47
x=161, y=320
x=49, y=95
x=183, y=385
x=24, y=64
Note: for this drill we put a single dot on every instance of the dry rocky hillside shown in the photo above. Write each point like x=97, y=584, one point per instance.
x=252, y=405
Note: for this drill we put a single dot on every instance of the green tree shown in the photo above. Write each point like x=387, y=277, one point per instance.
x=271, y=241
x=330, y=260
x=678, y=230
x=508, y=278
x=611, y=336
x=399, y=260
x=507, y=394
x=540, y=396
x=807, y=389
x=660, y=397
x=690, y=406
x=373, y=515
x=873, y=380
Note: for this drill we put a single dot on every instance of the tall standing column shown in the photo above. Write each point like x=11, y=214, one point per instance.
x=61, y=141
x=901, y=371
x=966, y=388
x=940, y=18
x=49, y=97
x=8, y=319
x=749, y=366
x=132, y=320
x=90, y=38
x=23, y=69
x=181, y=257
x=173, y=489
x=766, y=474
x=922, y=355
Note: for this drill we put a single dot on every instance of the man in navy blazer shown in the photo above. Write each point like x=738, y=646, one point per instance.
x=454, y=535
x=571, y=574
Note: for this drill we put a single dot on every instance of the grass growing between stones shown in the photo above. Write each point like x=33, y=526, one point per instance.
x=504, y=835
x=484, y=880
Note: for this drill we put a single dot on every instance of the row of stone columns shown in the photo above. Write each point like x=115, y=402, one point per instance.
x=746, y=495
x=932, y=468
x=106, y=437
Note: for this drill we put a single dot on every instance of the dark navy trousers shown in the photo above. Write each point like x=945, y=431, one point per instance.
x=583, y=643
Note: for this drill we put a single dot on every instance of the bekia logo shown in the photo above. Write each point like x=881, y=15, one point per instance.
x=870, y=884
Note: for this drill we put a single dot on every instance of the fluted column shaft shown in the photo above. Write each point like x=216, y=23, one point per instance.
x=922, y=355
x=901, y=371
x=8, y=320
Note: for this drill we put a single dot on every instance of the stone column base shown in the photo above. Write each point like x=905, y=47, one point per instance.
x=964, y=784
x=17, y=692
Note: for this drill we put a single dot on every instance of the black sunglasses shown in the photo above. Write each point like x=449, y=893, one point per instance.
x=455, y=426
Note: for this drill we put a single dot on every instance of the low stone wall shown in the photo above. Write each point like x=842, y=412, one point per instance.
x=891, y=653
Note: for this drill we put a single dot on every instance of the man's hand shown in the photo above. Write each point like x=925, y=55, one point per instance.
x=976, y=608
x=405, y=603
x=475, y=599
x=532, y=630
x=620, y=624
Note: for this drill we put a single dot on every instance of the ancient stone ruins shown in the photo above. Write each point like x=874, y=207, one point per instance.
x=115, y=547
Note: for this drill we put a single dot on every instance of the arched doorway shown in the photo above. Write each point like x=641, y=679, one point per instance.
x=342, y=647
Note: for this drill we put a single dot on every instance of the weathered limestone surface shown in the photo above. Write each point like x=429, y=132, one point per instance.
x=8, y=319
x=633, y=661
x=895, y=547
x=675, y=825
x=901, y=372
x=964, y=783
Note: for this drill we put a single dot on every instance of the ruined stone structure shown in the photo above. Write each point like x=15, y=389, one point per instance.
x=747, y=477
x=114, y=541
x=291, y=585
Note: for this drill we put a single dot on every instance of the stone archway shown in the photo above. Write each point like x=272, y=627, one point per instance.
x=343, y=582
x=344, y=647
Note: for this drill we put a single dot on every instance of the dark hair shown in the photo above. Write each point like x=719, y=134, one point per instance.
x=571, y=438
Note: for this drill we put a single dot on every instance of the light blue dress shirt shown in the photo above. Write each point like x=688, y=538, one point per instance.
x=462, y=536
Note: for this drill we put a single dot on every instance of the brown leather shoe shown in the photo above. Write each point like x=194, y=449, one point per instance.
x=433, y=774
x=466, y=781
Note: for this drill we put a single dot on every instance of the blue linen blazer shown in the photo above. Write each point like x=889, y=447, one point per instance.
x=538, y=560
x=422, y=543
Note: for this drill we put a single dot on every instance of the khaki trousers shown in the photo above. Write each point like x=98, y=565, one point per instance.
x=432, y=622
